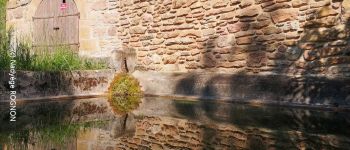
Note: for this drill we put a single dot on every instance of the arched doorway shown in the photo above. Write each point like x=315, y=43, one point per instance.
x=54, y=26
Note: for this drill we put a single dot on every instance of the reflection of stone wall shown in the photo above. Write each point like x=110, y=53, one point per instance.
x=170, y=133
x=98, y=19
x=291, y=36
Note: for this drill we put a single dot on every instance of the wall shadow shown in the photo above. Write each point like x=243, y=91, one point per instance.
x=298, y=72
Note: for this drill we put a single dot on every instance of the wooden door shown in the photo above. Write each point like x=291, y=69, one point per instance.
x=54, y=26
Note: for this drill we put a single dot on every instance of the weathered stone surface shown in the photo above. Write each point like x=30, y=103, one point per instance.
x=138, y=30
x=170, y=59
x=46, y=84
x=326, y=11
x=248, y=12
x=346, y=5
x=283, y=15
x=100, y=5
x=256, y=59
x=205, y=34
x=178, y=3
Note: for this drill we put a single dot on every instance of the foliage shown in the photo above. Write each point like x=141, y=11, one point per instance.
x=2, y=15
x=4, y=41
x=124, y=93
x=4, y=53
x=61, y=59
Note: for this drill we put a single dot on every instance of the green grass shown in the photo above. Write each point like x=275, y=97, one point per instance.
x=4, y=41
x=3, y=15
x=61, y=59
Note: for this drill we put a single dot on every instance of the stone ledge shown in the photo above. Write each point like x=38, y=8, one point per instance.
x=31, y=85
x=278, y=89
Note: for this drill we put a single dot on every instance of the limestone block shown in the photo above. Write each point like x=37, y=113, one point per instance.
x=18, y=13
x=112, y=31
x=326, y=11
x=228, y=15
x=248, y=12
x=271, y=30
x=208, y=32
x=172, y=59
x=220, y=3
x=298, y=3
x=89, y=45
x=178, y=3
x=284, y=15
x=183, y=12
x=85, y=32
x=256, y=59
x=346, y=5
x=138, y=30
x=246, y=3
x=99, y=5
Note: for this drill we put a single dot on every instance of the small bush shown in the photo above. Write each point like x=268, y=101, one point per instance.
x=124, y=93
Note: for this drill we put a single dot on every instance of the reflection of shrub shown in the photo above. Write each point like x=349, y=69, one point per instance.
x=124, y=93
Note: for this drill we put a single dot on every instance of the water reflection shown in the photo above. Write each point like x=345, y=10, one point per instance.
x=170, y=124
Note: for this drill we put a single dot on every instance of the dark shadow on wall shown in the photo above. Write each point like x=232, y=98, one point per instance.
x=295, y=81
x=36, y=84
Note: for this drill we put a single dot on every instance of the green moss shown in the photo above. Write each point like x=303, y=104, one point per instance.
x=124, y=93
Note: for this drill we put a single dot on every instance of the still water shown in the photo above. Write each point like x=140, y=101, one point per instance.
x=158, y=123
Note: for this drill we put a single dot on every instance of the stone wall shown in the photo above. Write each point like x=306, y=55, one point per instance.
x=48, y=84
x=283, y=36
x=97, y=24
x=280, y=36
